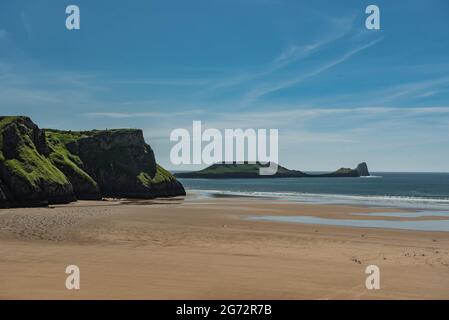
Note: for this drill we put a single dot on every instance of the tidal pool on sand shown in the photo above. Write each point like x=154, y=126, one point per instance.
x=419, y=225
x=417, y=214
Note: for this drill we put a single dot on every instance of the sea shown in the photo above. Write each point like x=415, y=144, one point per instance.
x=420, y=191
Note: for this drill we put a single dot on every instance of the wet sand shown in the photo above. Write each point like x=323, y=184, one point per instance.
x=208, y=249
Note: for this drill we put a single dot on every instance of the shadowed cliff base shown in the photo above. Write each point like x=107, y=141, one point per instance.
x=40, y=167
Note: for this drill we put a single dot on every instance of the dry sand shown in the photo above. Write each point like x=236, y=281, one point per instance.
x=207, y=249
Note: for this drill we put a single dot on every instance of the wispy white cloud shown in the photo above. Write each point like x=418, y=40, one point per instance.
x=390, y=95
x=286, y=120
x=426, y=94
x=423, y=88
x=294, y=53
x=161, y=82
x=292, y=118
x=278, y=85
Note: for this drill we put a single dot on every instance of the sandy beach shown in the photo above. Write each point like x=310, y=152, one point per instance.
x=197, y=248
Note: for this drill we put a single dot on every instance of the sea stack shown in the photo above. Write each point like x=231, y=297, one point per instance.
x=362, y=169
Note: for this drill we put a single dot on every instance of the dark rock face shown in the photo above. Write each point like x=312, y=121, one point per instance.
x=39, y=167
x=362, y=170
x=82, y=187
x=4, y=203
x=170, y=188
x=115, y=159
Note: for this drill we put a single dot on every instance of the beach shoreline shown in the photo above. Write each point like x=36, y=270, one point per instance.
x=197, y=248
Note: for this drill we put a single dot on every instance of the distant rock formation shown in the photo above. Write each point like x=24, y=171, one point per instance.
x=238, y=170
x=251, y=170
x=40, y=167
x=362, y=169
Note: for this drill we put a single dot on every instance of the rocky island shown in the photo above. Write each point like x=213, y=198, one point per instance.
x=45, y=166
x=251, y=170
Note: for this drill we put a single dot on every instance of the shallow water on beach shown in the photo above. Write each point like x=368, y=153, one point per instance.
x=417, y=214
x=417, y=225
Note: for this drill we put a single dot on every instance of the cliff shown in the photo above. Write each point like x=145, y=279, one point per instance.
x=247, y=170
x=38, y=167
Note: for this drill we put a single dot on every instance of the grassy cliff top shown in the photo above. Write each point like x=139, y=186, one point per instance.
x=4, y=120
x=89, y=133
x=65, y=136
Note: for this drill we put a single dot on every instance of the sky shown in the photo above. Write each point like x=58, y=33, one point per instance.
x=338, y=93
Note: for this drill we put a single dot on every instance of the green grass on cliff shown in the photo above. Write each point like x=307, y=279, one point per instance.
x=6, y=120
x=70, y=136
x=32, y=166
x=64, y=136
x=62, y=157
x=122, y=131
x=161, y=175
x=29, y=164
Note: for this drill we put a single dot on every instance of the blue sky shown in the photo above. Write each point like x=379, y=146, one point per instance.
x=338, y=93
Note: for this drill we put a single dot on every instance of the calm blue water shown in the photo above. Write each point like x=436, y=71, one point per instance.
x=407, y=190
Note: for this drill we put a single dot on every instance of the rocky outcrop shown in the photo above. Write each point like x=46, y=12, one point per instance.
x=28, y=177
x=38, y=167
x=344, y=172
x=251, y=170
x=4, y=203
x=362, y=169
x=123, y=165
